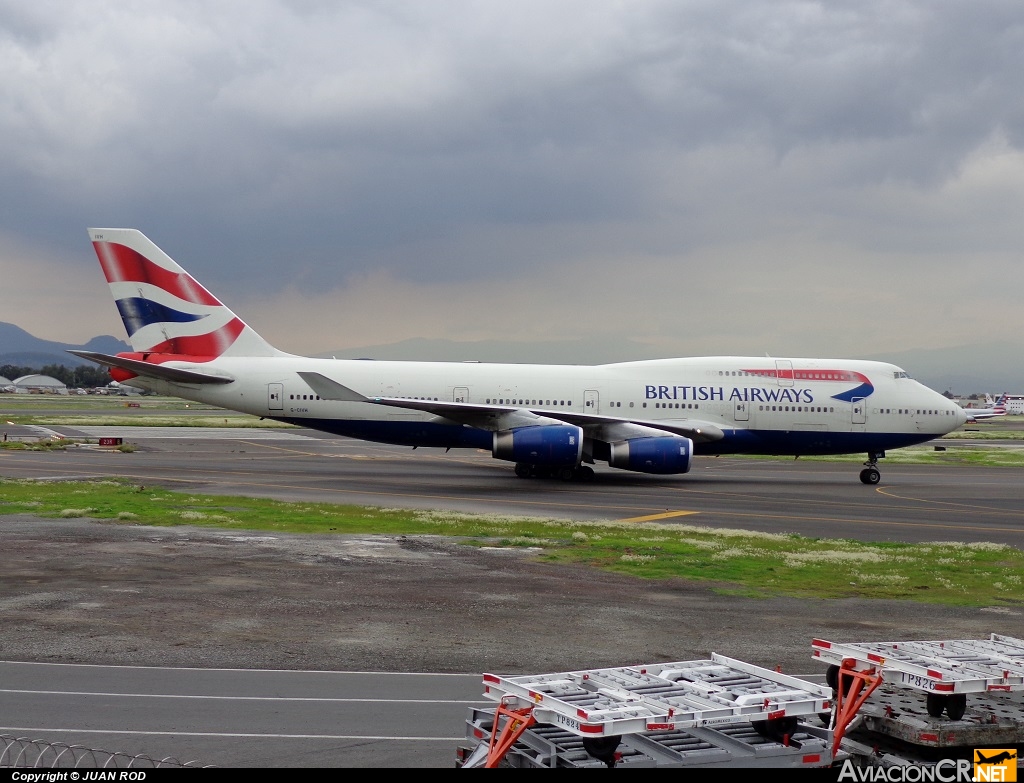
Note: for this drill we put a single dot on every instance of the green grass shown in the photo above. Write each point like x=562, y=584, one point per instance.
x=75, y=402
x=994, y=457
x=979, y=456
x=731, y=561
x=144, y=420
x=99, y=411
x=999, y=434
x=43, y=444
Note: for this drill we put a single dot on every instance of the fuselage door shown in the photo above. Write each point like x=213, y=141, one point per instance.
x=591, y=401
x=742, y=411
x=275, y=396
x=859, y=410
x=784, y=372
x=460, y=394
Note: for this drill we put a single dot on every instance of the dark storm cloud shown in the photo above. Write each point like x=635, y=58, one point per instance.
x=307, y=144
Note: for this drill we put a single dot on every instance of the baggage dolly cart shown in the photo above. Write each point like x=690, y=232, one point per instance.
x=649, y=703
x=946, y=670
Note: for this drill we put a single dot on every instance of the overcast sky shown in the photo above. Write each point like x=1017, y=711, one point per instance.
x=796, y=178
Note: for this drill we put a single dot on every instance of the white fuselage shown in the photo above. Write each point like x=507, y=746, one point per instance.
x=775, y=406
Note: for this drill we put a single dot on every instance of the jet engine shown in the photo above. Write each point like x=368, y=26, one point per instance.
x=669, y=454
x=553, y=445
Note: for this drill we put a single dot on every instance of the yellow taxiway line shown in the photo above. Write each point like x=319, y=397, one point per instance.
x=665, y=515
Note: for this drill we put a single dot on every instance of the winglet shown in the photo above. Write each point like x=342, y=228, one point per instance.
x=331, y=390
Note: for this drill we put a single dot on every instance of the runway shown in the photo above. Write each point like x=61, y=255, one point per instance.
x=820, y=499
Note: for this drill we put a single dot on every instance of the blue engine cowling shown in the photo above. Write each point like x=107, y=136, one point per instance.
x=554, y=445
x=671, y=454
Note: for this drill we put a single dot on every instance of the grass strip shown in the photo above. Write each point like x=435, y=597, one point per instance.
x=143, y=420
x=732, y=561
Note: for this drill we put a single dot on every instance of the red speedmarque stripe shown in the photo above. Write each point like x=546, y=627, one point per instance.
x=121, y=264
x=207, y=346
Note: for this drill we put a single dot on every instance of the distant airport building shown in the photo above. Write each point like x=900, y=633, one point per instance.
x=38, y=384
x=1015, y=403
x=6, y=384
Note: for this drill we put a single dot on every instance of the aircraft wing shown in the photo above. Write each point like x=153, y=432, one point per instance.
x=496, y=418
x=611, y=429
x=161, y=371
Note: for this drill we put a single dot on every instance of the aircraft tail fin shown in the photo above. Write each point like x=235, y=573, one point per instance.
x=164, y=309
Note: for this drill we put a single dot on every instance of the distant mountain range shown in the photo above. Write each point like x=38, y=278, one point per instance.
x=20, y=348
x=993, y=366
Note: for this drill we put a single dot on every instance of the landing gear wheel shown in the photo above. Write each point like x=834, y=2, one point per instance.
x=935, y=703
x=870, y=476
x=602, y=748
x=567, y=474
x=956, y=706
x=523, y=470
x=585, y=473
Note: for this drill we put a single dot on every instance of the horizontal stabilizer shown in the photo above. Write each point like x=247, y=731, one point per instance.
x=331, y=390
x=149, y=370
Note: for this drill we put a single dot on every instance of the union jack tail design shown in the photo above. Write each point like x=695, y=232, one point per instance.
x=164, y=309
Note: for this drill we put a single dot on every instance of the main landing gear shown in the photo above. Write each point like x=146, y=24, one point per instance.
x=565, y=473
x=870, y=474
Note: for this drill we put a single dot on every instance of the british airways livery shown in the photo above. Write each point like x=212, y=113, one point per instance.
x=550, y=420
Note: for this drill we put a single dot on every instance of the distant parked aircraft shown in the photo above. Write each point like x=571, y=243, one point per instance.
x=993, y=408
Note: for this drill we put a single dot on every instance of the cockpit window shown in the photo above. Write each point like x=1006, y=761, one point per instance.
x=900, y=374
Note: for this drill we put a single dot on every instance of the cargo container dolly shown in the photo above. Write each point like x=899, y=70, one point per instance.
x=900, y=703
x=715, y=712
x=925, y=680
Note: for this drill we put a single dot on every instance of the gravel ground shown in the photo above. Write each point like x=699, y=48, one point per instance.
x=84, y=591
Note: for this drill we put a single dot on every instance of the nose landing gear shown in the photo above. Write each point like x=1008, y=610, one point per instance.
x=871, y=474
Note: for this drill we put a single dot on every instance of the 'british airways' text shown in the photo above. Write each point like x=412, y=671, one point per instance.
x=738, y=393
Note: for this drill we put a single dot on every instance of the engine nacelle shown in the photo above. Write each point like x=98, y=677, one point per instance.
x=554, y=445
x=670, y=454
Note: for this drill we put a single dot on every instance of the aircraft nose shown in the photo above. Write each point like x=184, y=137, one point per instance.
x=961, y=415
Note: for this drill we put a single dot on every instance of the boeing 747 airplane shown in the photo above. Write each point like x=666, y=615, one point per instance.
x=550, y=420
